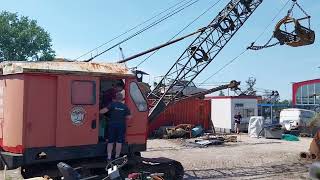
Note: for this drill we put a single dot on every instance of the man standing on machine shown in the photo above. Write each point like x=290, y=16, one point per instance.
x=111, y=93
x=106, y=99
x=118, y=113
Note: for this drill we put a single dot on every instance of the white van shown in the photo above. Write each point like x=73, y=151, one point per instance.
x=293, y=118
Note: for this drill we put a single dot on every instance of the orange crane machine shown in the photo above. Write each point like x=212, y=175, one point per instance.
x=49, y=111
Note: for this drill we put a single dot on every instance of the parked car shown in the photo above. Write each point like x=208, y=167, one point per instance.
x=294, y=118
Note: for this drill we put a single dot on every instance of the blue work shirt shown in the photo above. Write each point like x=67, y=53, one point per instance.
x=118, y=112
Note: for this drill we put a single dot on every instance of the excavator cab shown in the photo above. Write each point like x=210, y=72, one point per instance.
x=300, y=35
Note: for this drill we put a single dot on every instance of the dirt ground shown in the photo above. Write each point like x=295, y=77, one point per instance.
x=250, y=158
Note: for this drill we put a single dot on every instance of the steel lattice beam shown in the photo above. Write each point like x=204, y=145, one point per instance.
x=201, y=52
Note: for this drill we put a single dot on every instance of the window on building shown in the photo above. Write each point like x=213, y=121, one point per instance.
x=83, y=92
x=311, y=94
x=137, y=97
x=308, y=94
x=238, y=105
x=317, y=93
x=298, y=96
x=245, y=113
x=304, y=94
x=249, y=112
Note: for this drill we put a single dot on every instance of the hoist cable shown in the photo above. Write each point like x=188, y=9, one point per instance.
x=144, y=29
x=266, y=45
x=131, y=29
x=243, y=52
x=203, y=13
x=252, y=47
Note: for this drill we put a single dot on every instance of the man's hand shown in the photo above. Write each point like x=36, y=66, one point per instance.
x=103, y=110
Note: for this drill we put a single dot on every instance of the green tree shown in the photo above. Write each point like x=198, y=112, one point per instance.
x=21, y=39
x=289, y=102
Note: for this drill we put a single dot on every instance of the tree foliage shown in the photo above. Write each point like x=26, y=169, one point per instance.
x=251, y=82
x=21, y=39
x=250, y=89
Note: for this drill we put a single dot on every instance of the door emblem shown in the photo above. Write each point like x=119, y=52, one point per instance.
x=77, y=115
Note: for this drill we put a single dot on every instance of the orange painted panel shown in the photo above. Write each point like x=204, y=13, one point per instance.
x=41, y=110
x=82, y=92
x=74, y=122
x=1, y=108
x=13, y=111
x=137, y=125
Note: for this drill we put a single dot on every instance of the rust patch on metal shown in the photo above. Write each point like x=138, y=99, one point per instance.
x=64, y=67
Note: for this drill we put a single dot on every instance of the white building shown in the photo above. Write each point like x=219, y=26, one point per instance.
x=223, y=109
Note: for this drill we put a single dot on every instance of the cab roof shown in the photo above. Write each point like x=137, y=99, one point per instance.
x=55, y=67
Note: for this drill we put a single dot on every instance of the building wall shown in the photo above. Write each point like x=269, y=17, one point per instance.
x=249, y=104
x=223, y=110
x=306, y=93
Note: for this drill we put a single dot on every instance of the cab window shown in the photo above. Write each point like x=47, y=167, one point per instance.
x=83, y=93
x=137, y=97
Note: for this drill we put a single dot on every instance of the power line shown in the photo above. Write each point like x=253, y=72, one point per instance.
x=131, y=29
x=267, y=27
x=227, y=64
x=180, y=31
x=177, y=10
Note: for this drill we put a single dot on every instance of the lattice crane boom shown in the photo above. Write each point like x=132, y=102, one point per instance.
x=201, y=52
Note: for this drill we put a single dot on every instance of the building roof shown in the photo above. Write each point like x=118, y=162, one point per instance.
x=307, y=82
x=15, y=67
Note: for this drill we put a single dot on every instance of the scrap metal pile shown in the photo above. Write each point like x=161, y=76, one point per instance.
x=211, y=139
x=179, y=131
x=195, y=134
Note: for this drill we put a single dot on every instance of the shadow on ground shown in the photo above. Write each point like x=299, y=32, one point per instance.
x=188, y=145
x=246, y=172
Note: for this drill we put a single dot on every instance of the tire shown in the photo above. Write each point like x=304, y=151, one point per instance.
x=1, y=165
x=137, y=154
x=26, y=172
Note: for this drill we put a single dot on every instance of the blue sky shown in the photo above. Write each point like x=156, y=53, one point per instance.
x=79, y=26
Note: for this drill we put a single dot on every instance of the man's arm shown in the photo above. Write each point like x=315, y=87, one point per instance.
x=103, y=110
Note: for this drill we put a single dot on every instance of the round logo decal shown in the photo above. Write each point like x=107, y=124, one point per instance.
x=78, y=115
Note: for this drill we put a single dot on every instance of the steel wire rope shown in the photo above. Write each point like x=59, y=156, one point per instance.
x=267, y=27
x=176, y=11
x=244, y=51
x=131, y=29
x=203, y=13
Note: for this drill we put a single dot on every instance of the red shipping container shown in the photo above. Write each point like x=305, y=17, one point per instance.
x=190, y=111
